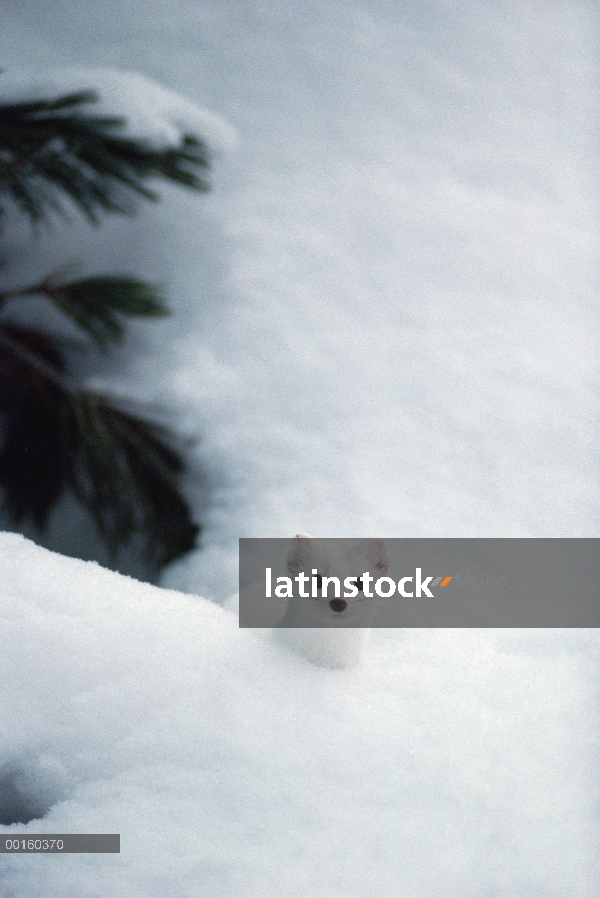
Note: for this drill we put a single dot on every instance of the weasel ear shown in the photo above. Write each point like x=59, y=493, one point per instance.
x=299, y=553
x=375, y=552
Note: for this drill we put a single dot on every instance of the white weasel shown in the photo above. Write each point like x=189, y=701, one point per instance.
x=327, y=631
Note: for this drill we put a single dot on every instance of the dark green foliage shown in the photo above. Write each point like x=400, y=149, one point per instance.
x=98, y=304
x=54, y=434
x=127, y=471
x=121, y=467
x=50, y=149
x=35, y=451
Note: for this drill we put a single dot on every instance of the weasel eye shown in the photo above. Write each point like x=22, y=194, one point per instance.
x=359, y=584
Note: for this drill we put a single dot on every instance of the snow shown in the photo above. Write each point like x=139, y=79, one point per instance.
x=384, y=325
x=450, y=762
x=159, y=117
x=385, y=312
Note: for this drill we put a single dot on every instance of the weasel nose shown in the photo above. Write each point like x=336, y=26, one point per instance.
x=337, y=604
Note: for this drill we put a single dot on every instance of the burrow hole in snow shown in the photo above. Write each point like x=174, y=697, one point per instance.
x=29, y=787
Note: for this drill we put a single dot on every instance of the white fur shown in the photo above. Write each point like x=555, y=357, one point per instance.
x=341, y=640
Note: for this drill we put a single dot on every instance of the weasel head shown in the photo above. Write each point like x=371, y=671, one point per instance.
x=341, y=559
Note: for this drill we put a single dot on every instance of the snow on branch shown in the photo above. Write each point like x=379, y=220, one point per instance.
x=158, y=117
x=98, y=137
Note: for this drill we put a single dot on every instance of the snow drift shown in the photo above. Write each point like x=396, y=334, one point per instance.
x=451, y=763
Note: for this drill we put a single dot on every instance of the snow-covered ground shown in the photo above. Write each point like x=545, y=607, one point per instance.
x=385, y=325
x=451, y=763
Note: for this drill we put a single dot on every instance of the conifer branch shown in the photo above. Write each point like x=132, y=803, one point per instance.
x=56, y=156
x=50, y=149
x=98, y=304
x=58, y=435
